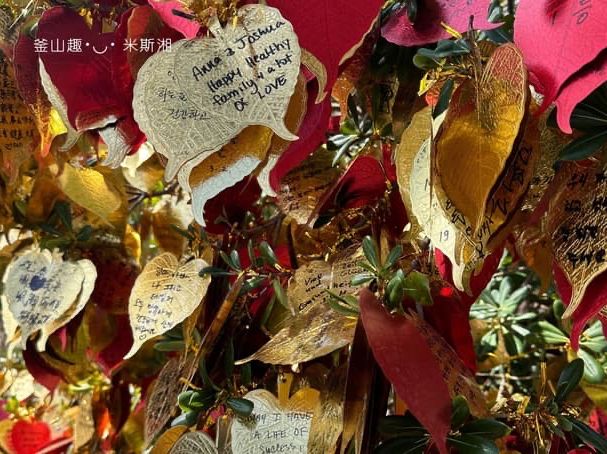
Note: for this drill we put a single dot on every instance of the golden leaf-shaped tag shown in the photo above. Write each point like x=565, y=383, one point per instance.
x=301, y=190
x=327, y=421
x=168, y=439
x=171, y=211
x=90, y=189
x=164, y=294
x=205, y=91
x=480, y=131
x=40, y=288
x=19, y=132
x=161, y=401
x=194, y=443
x=315, y=332
x=271, y=423
x=293, y=119
x=239, y=158
x=88, y=284
x=576, y=218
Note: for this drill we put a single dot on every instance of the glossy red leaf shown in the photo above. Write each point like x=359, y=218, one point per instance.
x=187, y=27
x=408, y=362
x=574, y=31
x=595, y=298
x=231, y=205
x=577, y=88
x=40, y=370
x=311, y=133
x=427, y=27
x=330, y=29
x=83, y=78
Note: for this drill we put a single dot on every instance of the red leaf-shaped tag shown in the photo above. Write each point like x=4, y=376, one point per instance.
x=576, y=32
x=30, y=437
x=427, y=27
x=189, y=28
x=330, y=29
x=408, y=362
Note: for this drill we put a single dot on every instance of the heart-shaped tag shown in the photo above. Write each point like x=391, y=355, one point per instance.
x=191, y=101
x=41, y=287
x=164, y=294
x=272, y=427
x=30, y=437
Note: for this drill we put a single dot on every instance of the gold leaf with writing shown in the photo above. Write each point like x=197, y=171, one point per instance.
x=18, y=131
x=88, y=284
x=168, y=439
x=479, y=133
x=327, y=421
x=193, y=100
x=301, y=190
x=194, y=443
x=40, y=287
x=161, y=399
x=164, y=294
x=576, y=218
x=315, y=332
x=272, y=423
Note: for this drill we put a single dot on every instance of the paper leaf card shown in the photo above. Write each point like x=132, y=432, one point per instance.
x=164, y=294
x=41, y=287
x=193, y=100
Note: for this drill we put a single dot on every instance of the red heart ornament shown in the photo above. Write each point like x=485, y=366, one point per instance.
x=30, y=437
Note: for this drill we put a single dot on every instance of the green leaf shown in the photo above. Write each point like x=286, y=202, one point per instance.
x=472, y=444
x=204, y=375
x=402, y=445
x=169, y=346
x=393, y=256
x=85, y=233
x=443, y=98
x=569, y=379
x=488, y=428
x=214, y=271
x=417, y=287
x=551, y=334
x=585, y=146
x=64, y=211
x=245, y=374
x=588, y=435
x=235, y=260
x=242, y=407
x=593, y=371
x=185, y=419
x=371, y=252
x=460, y=412
x=362, y=278
x=268, y=253
x=280, y=293
x=401, y=425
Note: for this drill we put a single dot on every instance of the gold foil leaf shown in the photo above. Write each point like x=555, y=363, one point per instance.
x=168, y=439
x=271, y=425
x=293, y=119
x=327, y=421
x=40, y=288
x=161, y=400
x=313, y=333
x=88, y=284
x=576, y=218
x=194, y=443
x=164, y=294
x=479, y=132
x=91, y=190
x=18, y=131
x=239, y=158
x=193, y=100
x=171, y=211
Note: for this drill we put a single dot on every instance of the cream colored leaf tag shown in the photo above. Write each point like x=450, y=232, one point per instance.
x=88, y=284
x=40, y=288
x=164, y=294
x=194, y=443
x=272, y=427
x=205, y=91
